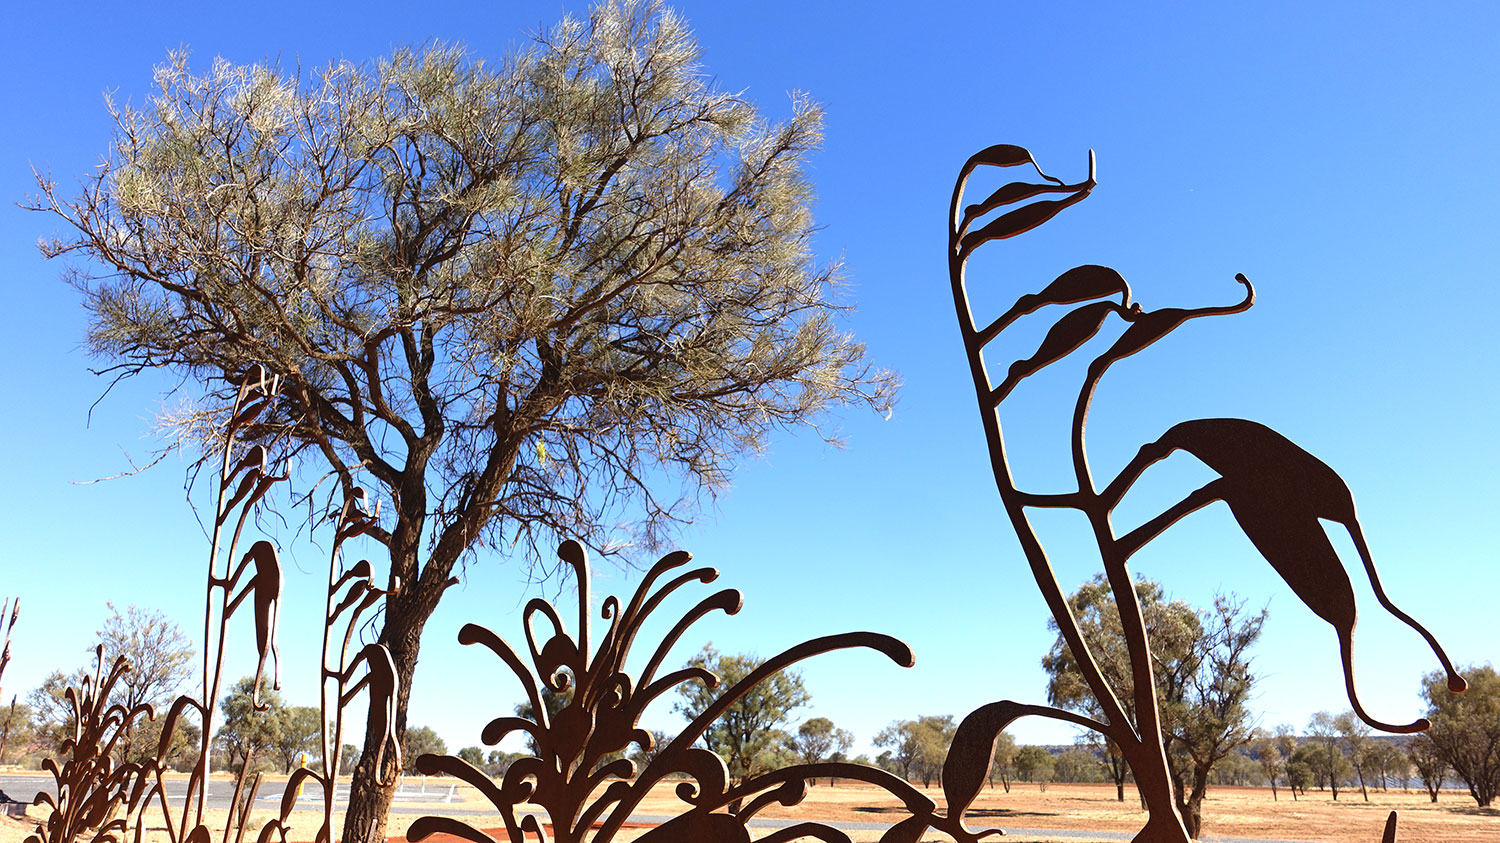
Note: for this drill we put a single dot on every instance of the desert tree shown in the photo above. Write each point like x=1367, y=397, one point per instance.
x=818, y=738
x=1003, y=763
x=557, y=294
x=749, y=736
x=1079, y=764
x=160, y=658
x=917, y=747
x=1354, y=737
x=1034, y=764
x=1430, y=765
x=1390, y=762
x=1273, y=752
x=301, y=730
x=1330, y=765
x=1466, y=730
x=249, y=729
x=1202, y=673
x=419, y=741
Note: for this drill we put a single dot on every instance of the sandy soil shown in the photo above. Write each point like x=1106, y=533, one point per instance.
x=1230, y=812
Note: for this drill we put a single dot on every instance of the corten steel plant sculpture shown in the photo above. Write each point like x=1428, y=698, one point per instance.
x=351, y=592
x=8, y=615
x=90, y=784
x=587, y=790
x=92, y=788
x=578, y=777
x=1276, y=491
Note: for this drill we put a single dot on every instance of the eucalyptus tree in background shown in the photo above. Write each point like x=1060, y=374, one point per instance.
x=521, y=299
x=1202, y=674
x=749, y=735
x=161, y=662
x=1431, y=768
x=817, y=739
x=1273, y=753
x=1354, y=736
x=1466, y=731
x=1331, y=765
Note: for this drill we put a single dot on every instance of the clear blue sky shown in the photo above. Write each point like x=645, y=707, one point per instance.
x=1343, y=157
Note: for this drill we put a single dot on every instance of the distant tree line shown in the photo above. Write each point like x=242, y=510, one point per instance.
x=1203, y=656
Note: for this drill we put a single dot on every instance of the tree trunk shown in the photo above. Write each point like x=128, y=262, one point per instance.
x=369, y=802
x=1192, y=808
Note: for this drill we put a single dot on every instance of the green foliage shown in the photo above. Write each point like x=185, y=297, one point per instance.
x=420, y=741
x=1272, y=752
x=473, y=755
x=918, y=747
x=1034, y=764
x=247, y=732
x=348, y=758
x=53, y=718
x=748, y=737
x=1466, y=729
x=557, y=294
x=301, y=732
x=1003, y=763
x=19, y=735
x=1430, y=765
x=1301, y=770
x=1202, y=673
x=1354, y=740
x=497, y=762
x=1325, y=755
x=1077, y=765
x=817, y=739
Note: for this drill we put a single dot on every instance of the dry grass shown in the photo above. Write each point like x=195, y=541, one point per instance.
x=1230, y=812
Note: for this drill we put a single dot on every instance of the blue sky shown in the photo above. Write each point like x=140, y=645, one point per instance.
x=1342, y=157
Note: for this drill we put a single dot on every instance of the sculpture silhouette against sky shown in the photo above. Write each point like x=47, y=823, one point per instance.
x=579, y=783
x=1276, y=491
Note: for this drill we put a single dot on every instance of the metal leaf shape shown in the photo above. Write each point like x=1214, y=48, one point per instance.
x=1278, y=493
x=1002, y=155
x=906, y=831
x=968, y=763
x=1019, y=221
x=1070, y=332
x=1010, y=194
x=424, y=827
x=1152, y=326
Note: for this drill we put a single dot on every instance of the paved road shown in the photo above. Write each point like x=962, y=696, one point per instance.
x=411, y=799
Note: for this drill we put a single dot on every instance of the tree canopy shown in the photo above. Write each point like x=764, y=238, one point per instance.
x=918, y=747
x=1465, y=731
x=554, y=295
x=749, y=737
x=1202, y=673
x=248, y=732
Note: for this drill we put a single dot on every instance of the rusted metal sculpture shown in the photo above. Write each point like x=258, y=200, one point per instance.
x=11, y=610
x=1276, y=491
x=587, y=792
x=90, y=784
x=136, y=787
x=351, y=593
x=578, y=779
